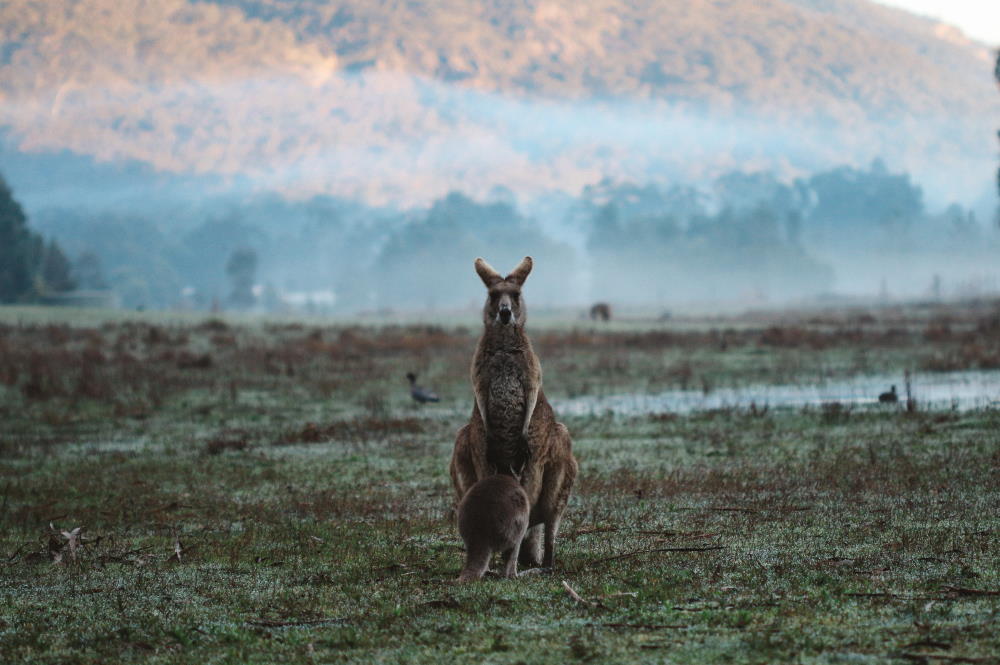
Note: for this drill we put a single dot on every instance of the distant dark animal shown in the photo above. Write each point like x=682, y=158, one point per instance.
x=492, y=517
x=600, y=311
x=889, y=397
x=420, y=394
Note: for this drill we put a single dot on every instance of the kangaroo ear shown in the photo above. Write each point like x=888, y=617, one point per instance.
x=520, y=273
x=487, y=273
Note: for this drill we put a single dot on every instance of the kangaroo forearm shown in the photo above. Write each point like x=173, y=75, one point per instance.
x=529, y=409
x=481, y=405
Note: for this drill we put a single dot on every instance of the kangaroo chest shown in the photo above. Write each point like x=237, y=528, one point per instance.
x=505, y=388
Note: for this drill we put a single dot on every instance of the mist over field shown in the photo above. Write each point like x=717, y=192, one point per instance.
x=346, y=157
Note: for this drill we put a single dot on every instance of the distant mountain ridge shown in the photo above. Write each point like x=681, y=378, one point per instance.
x=400, y=102
x=756, y=51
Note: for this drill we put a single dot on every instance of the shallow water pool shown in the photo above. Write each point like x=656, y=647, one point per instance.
x=939, y=390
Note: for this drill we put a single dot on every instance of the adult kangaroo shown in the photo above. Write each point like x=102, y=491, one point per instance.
x=513, y=429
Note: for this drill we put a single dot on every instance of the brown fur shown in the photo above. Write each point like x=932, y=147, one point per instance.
x=513, y=428
x=492, y=517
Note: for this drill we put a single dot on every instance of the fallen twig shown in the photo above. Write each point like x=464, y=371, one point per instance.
x=577, y=597
x=597, y=602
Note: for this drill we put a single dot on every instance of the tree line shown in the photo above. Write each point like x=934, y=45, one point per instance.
x=31, y=267
x=746, y=235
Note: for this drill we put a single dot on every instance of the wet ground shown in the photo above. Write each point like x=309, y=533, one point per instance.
x=940, y=390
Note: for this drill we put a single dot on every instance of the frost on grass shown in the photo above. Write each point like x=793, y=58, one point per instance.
x=184, y=534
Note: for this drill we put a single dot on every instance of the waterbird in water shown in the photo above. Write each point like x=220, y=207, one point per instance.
x=889, y=397
x=420, y=394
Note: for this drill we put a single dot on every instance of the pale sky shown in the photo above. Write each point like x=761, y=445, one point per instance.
x=979, y=19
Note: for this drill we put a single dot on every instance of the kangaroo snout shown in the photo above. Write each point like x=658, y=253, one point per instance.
x=505, y=313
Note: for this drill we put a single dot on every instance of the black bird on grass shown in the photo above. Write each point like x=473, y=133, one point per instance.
x=419, y=394
x=890, y=397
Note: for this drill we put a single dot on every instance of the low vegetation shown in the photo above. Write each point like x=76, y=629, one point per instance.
x=221, y=492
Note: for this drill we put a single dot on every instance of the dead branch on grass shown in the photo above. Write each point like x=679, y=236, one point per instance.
x=597, y=602
x=178, y=549
x=577, y=597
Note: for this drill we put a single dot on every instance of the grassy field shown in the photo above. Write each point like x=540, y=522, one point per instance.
x=193, y=491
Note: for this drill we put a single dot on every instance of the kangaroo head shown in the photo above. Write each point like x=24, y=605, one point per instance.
x=504, y=305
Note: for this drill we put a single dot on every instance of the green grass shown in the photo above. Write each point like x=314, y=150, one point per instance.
x=310, y=503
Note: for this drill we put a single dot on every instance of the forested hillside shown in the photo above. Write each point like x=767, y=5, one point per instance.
x=401, y=102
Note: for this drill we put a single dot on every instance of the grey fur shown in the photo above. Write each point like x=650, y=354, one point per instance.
x=512, y=424
x=492, y=517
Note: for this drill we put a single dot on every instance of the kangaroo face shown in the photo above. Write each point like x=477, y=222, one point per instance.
x=504, y=304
